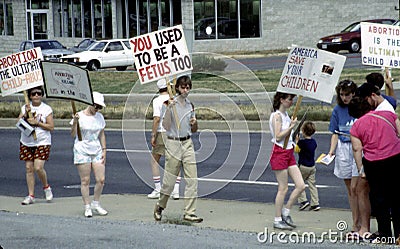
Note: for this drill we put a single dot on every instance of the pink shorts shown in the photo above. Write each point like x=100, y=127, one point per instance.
x=282, y=159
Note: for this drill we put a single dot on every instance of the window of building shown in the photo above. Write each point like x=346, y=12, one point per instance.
x=37, y=4
x=143, y=16
x=6, y=18
x=229, y=19
x=82, y=18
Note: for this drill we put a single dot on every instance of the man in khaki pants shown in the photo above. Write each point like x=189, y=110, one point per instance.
x=179, y=123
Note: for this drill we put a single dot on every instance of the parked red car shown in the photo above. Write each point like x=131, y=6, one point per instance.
x=349, y=38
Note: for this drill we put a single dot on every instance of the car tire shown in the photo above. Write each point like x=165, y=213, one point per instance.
x=355, y=46
x=121, y=68
x=93, y=66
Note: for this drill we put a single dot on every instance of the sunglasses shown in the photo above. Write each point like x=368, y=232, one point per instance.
x=346, y=83
x=38, y=93
x=97, y=107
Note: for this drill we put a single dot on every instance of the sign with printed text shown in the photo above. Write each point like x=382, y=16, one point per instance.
x=161, y=54
x=380, y=45
x=311, y=73
x=20, y=71
x=66, y=81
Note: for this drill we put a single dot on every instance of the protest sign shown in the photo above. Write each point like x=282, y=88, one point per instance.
x=380, y=45
x=20, y=71
x=161, y=54
x=311, y=73
x=66, y=81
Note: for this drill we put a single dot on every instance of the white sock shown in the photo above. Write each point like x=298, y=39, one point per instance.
x=178, y=181
x=277, y=219
x=87, y=206
x=285, y=211
x=95, y=203
x=157, y=183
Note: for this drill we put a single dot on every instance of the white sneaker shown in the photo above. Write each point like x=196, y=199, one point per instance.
x=175, y=195
x=154, y=195
x=48, y=194
x=28, y=200
x=98, y=209
x=88, y=213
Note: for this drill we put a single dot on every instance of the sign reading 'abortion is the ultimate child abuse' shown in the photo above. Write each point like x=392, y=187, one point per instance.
x=311, y=73
x=21, y=71
x=161, y=54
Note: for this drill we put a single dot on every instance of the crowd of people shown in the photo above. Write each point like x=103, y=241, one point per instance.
x=365, y=142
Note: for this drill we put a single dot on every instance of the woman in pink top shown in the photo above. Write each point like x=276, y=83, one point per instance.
x=376, y=148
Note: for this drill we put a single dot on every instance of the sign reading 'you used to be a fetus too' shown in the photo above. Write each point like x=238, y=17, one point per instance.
x=161, y=54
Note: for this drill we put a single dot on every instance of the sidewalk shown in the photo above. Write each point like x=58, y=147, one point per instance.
x=218, y=214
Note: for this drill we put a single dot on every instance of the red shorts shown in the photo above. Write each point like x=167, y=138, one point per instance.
x=41, y=152
x=282, y=159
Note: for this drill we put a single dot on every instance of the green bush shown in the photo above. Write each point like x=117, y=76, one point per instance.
x=204, y=63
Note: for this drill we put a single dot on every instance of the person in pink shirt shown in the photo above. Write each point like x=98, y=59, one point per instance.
x=376, y=149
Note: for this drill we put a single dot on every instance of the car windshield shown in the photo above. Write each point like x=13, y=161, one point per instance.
x=97, y=46
x=353, y=27
x=48, y=45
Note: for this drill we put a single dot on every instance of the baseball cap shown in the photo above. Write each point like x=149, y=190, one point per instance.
x=161, y=84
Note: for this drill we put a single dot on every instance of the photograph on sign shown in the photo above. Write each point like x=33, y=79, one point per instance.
x=21, y=71
x=161, y=54
x=380, y=45
x=311, y=73
x=66, y=81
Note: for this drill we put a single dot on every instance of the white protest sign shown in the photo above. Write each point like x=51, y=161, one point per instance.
x=380, y=45
x=66, y=81
x=311, y=73
x=161, y=54
x=20, y=71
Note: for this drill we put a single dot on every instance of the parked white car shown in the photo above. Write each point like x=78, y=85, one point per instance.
x=103, y=54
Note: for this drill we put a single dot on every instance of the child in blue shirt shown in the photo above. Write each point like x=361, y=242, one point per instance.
x=307, y=147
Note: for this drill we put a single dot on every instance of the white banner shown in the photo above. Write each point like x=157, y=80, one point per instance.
x=311, y=73
x=66, y=81
x=161, y=54
x=380, y=45
x=20, y=71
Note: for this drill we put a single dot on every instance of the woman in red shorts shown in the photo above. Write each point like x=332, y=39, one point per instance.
x=282, y=160
x=35, y=152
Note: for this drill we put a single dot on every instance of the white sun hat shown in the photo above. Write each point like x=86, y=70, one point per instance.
x=98, y=98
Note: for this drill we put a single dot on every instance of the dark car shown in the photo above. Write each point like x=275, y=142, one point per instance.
x=83, y=45
x=349, y=38
x=52, y=50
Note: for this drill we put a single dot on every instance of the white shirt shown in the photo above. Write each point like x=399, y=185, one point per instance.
x=43, y=137
x=286, y=120
x=158, y=110
x=90, y=127
x=385, y=106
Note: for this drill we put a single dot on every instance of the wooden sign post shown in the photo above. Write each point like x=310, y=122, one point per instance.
x=171, y=97
x=78, y=130
x=296, y=109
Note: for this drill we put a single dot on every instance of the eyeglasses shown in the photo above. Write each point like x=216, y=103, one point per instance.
x=346, y=83
x=38, y=93
x=97, y=107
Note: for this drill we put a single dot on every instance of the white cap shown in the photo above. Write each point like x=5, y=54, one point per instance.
x=98, y=98
x=161, y=84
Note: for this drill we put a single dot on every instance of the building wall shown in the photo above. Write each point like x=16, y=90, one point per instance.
x=284, y=22
x=302, y=22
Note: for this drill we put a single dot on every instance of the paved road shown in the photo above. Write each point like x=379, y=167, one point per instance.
x=228, y=166
x=278, y=62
